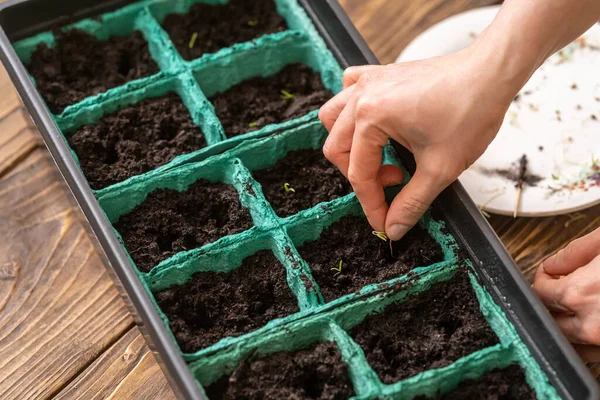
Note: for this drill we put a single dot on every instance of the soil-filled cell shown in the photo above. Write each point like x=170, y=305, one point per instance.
x=252, y=104
x=79, y=66
x=169, y=221
x=427, y=331
x=363, y=257
x=301, y=180
x=215, y=305
x=135, y=140
x=208, y=28
x=314, y=373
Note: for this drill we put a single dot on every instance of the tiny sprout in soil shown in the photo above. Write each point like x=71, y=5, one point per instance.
x=193, y=40
x=381, y=235
x=253, y=22
x=288, y=188
x=286, y=95
x=338, y=269
x=252, y=124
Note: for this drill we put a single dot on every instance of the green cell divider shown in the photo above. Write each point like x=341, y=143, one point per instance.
x=261, y=57
x=365, y=380
x=161, y=47
x=264, y=57
x=306, y=328
x=536, y=378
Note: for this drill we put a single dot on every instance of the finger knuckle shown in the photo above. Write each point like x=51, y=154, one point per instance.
x=415, y=207
x=329, y=151
x=367, y=106
x=354, y=176
x=590, y=331
x=349, y=74
x=571, y=297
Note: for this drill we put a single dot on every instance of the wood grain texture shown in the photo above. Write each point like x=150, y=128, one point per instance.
x=389, y=25
x=127, y=370
x=59, y=309
x=18, y=137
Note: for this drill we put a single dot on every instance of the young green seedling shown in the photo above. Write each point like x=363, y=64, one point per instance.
x=253, y=22
x=288, y=188
x=286, y=95
x=381, y=235
x=338, y=269
x=193, y=40
x=252, y=124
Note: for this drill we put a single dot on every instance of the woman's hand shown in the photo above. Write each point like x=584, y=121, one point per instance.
x=569, y=285
x=445, y=110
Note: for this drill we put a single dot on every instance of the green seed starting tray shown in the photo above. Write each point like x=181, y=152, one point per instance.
x=232, y=161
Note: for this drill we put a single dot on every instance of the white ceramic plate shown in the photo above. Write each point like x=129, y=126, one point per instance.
x=555, y=121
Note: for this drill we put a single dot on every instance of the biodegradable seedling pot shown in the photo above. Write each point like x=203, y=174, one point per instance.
x=233, y=259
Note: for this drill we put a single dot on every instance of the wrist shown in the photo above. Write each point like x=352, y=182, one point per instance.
x=503, y=64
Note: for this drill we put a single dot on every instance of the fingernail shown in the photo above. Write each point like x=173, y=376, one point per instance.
x=397, y=231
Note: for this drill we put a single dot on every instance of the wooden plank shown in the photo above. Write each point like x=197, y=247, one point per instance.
x=9, y=99
x=388, y=26
x=59, y=309
x=127, y=370
x=18, y=136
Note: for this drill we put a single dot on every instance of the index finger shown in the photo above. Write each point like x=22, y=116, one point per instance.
x=352, y=74
x=363, y=172
x=577, y=254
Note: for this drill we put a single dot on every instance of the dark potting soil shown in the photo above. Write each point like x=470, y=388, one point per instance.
x=427, y=331
x=314, y=373
x=135, y=140
x=257, y=102
x=81, y=65
x=169, y=221
x=365, y=258
x=214, y=305
x=219, y=26
x=499, y=384
x=311, y=180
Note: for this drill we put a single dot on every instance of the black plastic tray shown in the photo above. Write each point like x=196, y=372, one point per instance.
x=497, y=270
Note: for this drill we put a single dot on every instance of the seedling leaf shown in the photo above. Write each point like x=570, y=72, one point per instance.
x=252, y=124
x=286, y=95
x=193, y=40
x=338, y=269
x=381, y=235
x=288, y=188
x=253, y=22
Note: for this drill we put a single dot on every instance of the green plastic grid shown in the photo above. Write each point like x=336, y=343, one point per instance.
x=333, y=322
x=198, y=79
x=316, y=320
x=282, y=235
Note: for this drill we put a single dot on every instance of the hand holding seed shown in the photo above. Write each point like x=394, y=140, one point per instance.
x=445, y=110
x=414, y=104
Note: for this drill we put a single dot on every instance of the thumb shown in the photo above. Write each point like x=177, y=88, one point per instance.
x=411, y=203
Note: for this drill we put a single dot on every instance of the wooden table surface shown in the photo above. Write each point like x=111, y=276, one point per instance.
x=64, y=331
